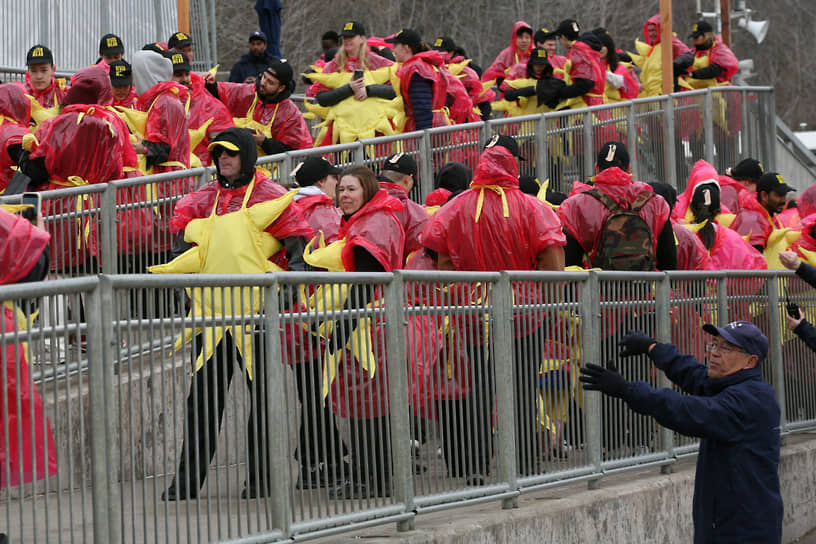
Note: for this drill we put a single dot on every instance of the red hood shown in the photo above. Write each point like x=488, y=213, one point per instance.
x=497, y=166
x=14, y=104
x=620, y=185
x=807, y=201
x=163, y=86
x=516, y=26
x=653, y=19
x=701, y=171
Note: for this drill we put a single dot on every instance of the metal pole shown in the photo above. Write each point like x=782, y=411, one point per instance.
x=777, y=373
x=277, y=420
x=663, y=308
x=399, y=398
x=502, y=328
x=590, y=294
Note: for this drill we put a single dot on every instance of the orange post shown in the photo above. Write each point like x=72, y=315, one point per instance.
x=725, y=19
x=666, y=45
x=183, y=10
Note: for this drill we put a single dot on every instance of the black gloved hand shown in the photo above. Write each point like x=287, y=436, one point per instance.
x=606, y=380
x=511, y=95
x=635, y=343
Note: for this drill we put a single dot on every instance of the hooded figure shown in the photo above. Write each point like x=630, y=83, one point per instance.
x=649, y=57
x=511, y=55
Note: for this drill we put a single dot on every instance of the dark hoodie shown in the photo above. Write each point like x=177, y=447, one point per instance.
x=243, y=139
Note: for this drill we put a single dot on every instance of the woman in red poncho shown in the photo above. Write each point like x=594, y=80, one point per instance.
x=356, y=378
x=30, y=453
x=521, y=42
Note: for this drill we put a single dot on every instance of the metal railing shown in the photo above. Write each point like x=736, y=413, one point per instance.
x=121, y=226
x=449, y=389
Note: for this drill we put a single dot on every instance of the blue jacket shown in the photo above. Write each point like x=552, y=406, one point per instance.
x=736, y=488
x=250, y=66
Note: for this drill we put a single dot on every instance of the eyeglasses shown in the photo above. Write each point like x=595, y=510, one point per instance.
x=723, y=349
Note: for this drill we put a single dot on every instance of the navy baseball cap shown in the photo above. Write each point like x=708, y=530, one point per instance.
x=744, y=335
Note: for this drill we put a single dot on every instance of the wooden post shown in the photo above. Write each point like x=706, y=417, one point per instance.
x=725, y=19
x=183, y=10
x=666, y=45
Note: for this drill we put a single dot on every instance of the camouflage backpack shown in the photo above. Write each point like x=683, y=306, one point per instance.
x=626, y=239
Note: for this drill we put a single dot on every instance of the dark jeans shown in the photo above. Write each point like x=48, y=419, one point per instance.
x=205, y=410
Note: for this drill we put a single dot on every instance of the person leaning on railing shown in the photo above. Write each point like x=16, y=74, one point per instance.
x=799, y=325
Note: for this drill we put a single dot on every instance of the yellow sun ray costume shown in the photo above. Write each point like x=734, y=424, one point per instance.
x=235, y=241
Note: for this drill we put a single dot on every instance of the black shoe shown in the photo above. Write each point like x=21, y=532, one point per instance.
x=174, y=493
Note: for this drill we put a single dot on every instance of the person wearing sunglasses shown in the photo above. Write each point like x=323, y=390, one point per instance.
x=731, y=409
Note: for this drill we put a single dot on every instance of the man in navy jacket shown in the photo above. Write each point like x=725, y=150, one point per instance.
x=733, y=411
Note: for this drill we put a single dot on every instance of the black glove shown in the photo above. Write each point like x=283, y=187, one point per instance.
x=606, y=380
x=511, y=95
x=635, y=343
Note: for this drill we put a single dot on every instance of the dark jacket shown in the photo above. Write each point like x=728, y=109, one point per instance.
x=736, y=489
x=249, y=65
x=806, y=331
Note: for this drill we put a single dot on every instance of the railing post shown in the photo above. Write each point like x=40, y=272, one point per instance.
x=277, y=443
x=399, y=396
x=589, y=155
x=708, y=126
x=663, y=307
x=426, y=173
x=503, y=368
x=103, y=412
x=590, y=294
x=777, y=373
x=542, y=153
x=669, y=147
x=107, y=220
x=631, y=138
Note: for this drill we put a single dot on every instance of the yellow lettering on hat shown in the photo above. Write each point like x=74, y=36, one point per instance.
x=177, y=58
x=610, y=155
x=38, y=52
x=348, y=26
x=112, y=42
x=438, y=42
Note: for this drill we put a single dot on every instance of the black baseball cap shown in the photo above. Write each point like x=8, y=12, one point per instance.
x=353, y=28
x=179, y=39
x=444, y=43
x=39, y=54
x=773, y=181
x=542, y=35
x=700, y=28
x=506, y=142
x=402, y=163
x=748, y=169
x=408, y=37
x=120, y=73
x=258, y=35
x=612, y=154
x=111, y=44
x=180, y=62
x=313, y=170
x=744, y=335
x=569, y=28
x=539, y=56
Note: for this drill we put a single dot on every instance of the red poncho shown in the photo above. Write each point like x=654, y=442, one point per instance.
x=426, y=65
x=321, y=214
x=509, y=56
x=21, y=248
x=583, y=216
x=284, y=118
x=203, y=107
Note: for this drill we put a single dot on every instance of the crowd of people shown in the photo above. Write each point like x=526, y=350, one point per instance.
x=118, y=119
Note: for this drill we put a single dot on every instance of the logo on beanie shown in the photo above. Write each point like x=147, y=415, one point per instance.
x=112, y=42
